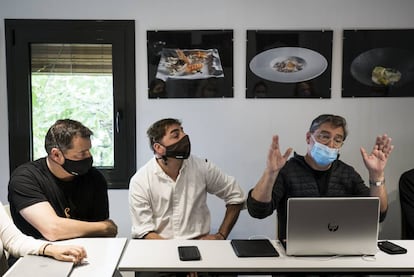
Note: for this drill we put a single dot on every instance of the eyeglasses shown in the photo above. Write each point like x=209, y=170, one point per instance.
x=325, y=138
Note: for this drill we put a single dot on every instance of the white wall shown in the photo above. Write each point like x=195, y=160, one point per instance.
x=235, y=133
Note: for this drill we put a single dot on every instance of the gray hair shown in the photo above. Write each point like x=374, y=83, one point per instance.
x=334, y=120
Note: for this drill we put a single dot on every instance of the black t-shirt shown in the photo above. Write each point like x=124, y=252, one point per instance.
x=322, y=179
x=406, y=188
x=84, y=198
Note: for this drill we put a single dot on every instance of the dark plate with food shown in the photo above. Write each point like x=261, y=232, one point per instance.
x=384, y=67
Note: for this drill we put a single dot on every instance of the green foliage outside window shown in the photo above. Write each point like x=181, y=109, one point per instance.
x=86, y=98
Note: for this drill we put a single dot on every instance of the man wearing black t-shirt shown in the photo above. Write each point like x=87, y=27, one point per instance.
x=406, y=189
x=61, y=196
x=319, y=173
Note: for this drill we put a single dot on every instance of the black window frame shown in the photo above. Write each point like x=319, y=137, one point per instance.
x=20, y=33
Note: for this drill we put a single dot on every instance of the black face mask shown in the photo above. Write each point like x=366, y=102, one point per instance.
x=179, y=150
x=78, y=168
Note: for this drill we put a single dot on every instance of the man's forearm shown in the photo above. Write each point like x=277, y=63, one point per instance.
x=53, y=227
x=380, y=192
x=65, y=228
x=262, y=192
x=152, y=235
x=230, y=218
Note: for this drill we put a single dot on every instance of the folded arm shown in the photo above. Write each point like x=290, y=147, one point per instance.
x=52, y=227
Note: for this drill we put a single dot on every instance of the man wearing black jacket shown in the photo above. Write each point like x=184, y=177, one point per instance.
x=319, y=173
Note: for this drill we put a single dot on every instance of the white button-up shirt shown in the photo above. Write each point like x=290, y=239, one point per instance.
x=178, y=209
x=13, y=240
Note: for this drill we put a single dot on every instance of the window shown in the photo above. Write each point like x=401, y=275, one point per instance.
x=78, y=69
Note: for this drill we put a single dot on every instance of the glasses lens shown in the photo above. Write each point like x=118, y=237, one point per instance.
x=338, y=142
x=326, y=138
x=323, y=138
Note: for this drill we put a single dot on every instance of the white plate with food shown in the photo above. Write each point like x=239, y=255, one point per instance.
x=288, y=64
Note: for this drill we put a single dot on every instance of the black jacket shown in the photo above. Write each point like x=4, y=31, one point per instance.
x=297, y=179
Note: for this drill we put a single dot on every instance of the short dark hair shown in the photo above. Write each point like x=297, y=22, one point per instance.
x=157, y=130
x=335, y=120
x=61, y=133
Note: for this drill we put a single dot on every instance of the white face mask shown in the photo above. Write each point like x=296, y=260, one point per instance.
x=322, y=154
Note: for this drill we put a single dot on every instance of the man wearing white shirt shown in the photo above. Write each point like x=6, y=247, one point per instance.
x=168, y=195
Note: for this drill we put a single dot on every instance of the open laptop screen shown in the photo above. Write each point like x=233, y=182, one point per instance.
x=332, y=226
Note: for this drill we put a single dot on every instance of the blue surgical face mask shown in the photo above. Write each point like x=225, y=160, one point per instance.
x=322, y=154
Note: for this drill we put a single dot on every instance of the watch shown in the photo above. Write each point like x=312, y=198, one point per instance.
x=377, y=183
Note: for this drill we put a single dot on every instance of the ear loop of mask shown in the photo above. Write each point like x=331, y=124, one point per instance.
x=67, y=209
x=52, y=132
x=163, y=157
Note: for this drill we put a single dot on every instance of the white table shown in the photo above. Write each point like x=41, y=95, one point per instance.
x=218, y=256
x=103, y=256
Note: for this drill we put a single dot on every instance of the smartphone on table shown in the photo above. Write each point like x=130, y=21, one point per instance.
x=391, y=248
x=189, y=253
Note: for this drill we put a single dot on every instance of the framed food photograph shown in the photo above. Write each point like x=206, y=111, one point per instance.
x=288, y=64
x=378, y=63
x=190, y=64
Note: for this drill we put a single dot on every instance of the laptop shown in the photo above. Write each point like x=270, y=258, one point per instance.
x=31, y=265
x=332, y=226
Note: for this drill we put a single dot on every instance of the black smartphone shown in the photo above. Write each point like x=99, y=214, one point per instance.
x=391, y=248
x=189, y=253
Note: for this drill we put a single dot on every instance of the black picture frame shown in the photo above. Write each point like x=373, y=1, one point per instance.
x=378, y=63
x=265, y=48
x=215, y=80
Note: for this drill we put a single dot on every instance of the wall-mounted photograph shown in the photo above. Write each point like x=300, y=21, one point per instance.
x=190, y=63
x=288, y=64
x=378, y=63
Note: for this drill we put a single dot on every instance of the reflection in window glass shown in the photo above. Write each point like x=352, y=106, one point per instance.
x=74, y=81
